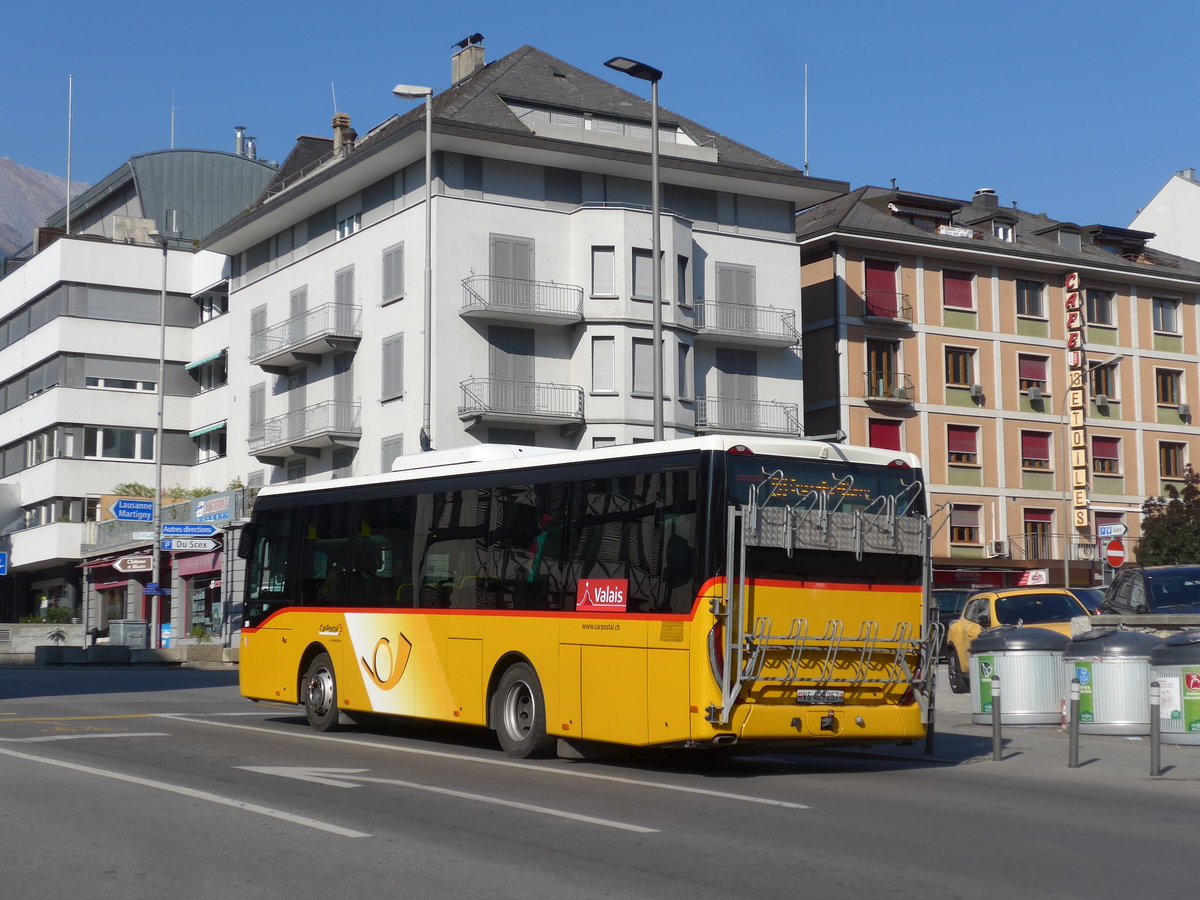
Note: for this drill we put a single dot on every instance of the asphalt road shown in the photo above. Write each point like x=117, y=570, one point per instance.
x=144, y=782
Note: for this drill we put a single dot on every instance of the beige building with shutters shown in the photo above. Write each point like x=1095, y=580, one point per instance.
x=942, y=327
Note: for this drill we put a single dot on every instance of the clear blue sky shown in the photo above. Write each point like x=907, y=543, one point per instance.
x=1081, y=110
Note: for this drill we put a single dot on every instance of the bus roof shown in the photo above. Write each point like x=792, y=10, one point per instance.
x=501, y=457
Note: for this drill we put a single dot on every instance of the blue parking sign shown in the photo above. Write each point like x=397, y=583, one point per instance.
x=3, y=563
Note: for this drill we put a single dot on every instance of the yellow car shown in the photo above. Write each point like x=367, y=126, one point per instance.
x=1051, y=608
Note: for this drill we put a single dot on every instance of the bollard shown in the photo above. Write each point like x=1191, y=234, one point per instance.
x=1073, y=725
x=1155, y=730
x=997, y=743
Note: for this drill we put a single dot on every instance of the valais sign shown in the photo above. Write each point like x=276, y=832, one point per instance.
x=602, y=594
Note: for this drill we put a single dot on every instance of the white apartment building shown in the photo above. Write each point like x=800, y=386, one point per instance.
x=540, y=264
x=79, y=360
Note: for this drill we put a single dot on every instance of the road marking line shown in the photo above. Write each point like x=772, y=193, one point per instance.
x=81, y=718
x=321, y=776
x=193, y=794
x=82, y=737
x=594, y=776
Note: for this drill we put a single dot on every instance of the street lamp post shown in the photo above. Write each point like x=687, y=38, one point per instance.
x=415, y=92
x=155, y=610
x=636, y=69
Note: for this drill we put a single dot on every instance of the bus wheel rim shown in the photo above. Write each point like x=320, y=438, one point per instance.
x=518, y=710
x=320, y=691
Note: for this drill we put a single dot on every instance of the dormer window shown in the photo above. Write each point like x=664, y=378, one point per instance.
x=1002, y=230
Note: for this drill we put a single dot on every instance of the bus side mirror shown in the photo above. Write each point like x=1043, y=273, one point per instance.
x=247, y=540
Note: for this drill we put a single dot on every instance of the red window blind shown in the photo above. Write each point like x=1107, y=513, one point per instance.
x=1106, y=447
x=1031, y=367
x=964, y=516
x=1038, y=515
x=883, y=435
x=1035, y=445
x=961, y=438
x=956, y=289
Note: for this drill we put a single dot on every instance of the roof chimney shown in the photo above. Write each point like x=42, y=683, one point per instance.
x=239, y=140
x=985, y=198
x=469, y=59
x=1189, y=174
x=343, y=135
x=251, y=148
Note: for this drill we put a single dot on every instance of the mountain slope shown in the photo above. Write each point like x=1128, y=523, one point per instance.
x=27, y=197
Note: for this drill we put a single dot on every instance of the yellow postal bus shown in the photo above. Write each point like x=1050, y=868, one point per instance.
x=694, y=592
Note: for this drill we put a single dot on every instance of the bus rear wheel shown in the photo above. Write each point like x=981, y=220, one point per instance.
x=320, y=694
x=520, y=714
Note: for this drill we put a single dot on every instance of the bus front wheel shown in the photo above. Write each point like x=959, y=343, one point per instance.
x=520, y=714
x=320, y=694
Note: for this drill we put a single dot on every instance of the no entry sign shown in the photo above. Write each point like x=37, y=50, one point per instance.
x=1114, y=554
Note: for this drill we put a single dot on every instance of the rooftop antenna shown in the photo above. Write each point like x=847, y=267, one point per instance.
x=70, y=103
x=333, y=92
x=172, y=120
x=806, y=118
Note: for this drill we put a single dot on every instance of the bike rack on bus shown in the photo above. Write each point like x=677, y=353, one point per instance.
x=757, y=653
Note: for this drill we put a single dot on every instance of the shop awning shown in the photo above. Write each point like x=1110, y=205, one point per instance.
x=216, y=354
x=216, y=426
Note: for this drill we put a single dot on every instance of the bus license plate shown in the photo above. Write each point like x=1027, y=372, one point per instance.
x=820, y=697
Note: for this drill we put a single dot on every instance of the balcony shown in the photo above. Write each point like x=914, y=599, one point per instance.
x=724, y=415
x=887, y=306
x=305, y=431
x=741, y=323
x=307, y=337
x=887, y=387
x=518, y=300
x=1049, y=546
x=526, y=402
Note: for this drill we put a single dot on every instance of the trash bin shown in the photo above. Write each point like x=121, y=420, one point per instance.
x=1175, y=665
x=1113, y=668
x=133, y=633
x=1029, y=663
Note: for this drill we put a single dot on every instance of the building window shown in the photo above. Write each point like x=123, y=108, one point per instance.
x=960, y=367
x=348, y=226
x=1104, y=381
x=296, y=470
x=958, y=289
x=883, y=434
x=210, y=446
x=643, y=275
x=643, y=367
x=1166, y=387
x=212, y=305
x=213, y=374
x=1106, y=455
x=880, y=295
x=1003, y=231
x=118, y=443
x=604, y=355
x=962, y=444
x=598, y=442
x=342, y=463
x=683, y=295
x=1035, y=450
x=393, y=273
x=1166, y=314
x=736, y=284
x=1170, y=460
x=390, y=449
x=1031, y=372
x=1099, y=307
x=393, y=367
x=964, y=524
x=120, y=384
x=604, y=272
x=684, y=374
x=1030, y=296
x=1037, y=533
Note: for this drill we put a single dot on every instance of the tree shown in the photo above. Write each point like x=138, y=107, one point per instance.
x=1171, y=525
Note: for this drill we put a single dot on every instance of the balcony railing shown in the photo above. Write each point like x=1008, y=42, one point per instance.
x=306, y=337
x=325, y=424
x=887, y=305
x=886, y=386
x=517, y=299
x=496, y=399
x=736, y=416
x=1050, y=546
x=746, y=324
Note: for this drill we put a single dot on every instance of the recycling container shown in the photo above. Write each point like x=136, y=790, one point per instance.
x=1175, y=665
x=1029, y=663
x=133, y=633
x=1113, y=670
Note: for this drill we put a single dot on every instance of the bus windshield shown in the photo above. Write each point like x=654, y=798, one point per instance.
x=846, y=486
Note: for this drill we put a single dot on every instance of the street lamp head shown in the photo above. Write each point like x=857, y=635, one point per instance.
x=412, y=92
x=634, y=68
x=158, y=237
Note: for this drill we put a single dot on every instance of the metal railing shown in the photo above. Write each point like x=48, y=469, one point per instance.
x=534, y=399
x=328, y=417
x=742, y=318
x=735, y=415
x=884, y=384
x=327, y=320
x=493, y=292
x=1079, y=548
x=886, y=305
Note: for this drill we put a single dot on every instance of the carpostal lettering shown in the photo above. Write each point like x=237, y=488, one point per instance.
x=609, y=594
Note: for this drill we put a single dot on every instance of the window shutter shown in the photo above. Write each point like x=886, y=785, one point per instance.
x=1106, y=447
x=1032, y=368
x=643, y=366
x=883, y=435
x=956, y=289
x=393, y=366
x=343, y=285
x=964, y=516
x=880, y=275
x=961, y=438
x=1039, y=515
x=393, y=272
x=1035, y=445
x=603, y=359
x=391, y=448
x=604, y=265
x=643, y=274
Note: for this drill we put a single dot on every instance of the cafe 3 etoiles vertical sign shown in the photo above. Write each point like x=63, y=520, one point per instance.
x=1077, y=401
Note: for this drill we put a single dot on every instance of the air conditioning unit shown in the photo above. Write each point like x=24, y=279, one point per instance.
x=1085, y=551
x=899, y=393
x=1102, y=400
x=1185, y=410
x=977, y=390
x=997, y=548
x=1035, y=393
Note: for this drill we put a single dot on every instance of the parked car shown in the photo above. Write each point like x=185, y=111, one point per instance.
x=947, y=606
x=1167, y=590
x=1092, y=598
x=1042, y=607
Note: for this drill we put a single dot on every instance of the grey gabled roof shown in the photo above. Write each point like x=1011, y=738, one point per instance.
x=865, y=212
